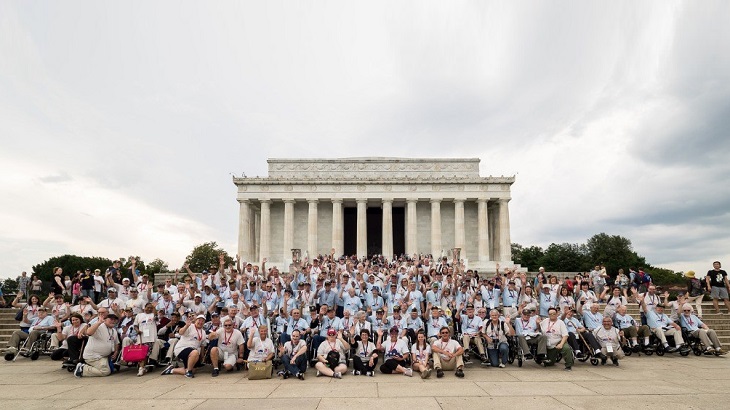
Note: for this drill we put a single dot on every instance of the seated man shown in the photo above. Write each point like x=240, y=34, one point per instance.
x=662, y=326
x=41, y=324
x=557, y=338
x=470, y=329
x=294, y=355
x=395, y=352
x=698, y=329
x=576, y=330
x=103, y=342
x=261, y=347
x=190, y=340
x=610, y=340
x=447, y=354
x=229, y=348
x=528, y=335
x=630, y=329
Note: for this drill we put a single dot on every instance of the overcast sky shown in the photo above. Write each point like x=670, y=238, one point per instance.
x=121, y=123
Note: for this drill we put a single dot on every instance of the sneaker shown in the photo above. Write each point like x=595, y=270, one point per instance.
x=409, y=372
x=670, y=349
x=467, y=361
x=216, y=372
x=141, y=371
x=168, y=370
x=427, y=373
x=189, y=374
x=710, y=351
x=578, y=353
x=439, y=373
x=318, y=373
x=285, y=375
x=459, y=373
x=568, y=369
x=300, y=376
x=546, y=363
x=356, y=372
x=79, y=370
x=604, y=358
x=337, y=375
x=502, y=366
x=615, y=361
x=528, y=356
x=636, y=348
x=370, y=374
x=280, y=373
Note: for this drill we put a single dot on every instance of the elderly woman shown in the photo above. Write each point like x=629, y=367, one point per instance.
x=146, y=325
x=395, y=351
x=261, y=347
x=331, y=360
x=366, y=357
x=496, y=332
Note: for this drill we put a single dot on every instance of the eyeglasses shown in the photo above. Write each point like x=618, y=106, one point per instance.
x=444, y=333
x=687, y=310
x=227, y=325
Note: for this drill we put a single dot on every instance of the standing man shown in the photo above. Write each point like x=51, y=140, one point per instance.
x=23, y=281
x=718, y=284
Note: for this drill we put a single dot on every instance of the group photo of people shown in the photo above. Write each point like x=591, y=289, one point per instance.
x=336, y=316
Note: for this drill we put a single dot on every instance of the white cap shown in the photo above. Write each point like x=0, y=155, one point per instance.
x=200, y=317
x=197, y=295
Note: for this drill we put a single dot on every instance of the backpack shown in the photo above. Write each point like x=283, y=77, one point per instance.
x=638, y=278
x=646, y=278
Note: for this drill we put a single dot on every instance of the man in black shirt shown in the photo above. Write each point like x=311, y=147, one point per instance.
x=718, y=284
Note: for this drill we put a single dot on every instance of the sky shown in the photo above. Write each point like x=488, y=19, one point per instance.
x=122, y=123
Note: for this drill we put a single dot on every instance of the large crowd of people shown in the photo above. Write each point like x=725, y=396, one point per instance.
x=344, y=315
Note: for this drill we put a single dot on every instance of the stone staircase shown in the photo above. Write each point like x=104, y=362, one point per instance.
x=7, y=325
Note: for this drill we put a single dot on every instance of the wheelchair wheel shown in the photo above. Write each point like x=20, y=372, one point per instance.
x=698, y=352
x=684, y=353
x=519, y=362
x=511, y=359
x=628, y=352
x=648, y=352
x=9, y=356
x=660, y=351
x=583, y=358
x=35, y=355
x=594, y=361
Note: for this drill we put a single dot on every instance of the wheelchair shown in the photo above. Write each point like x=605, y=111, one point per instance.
x=694, y=343
x=516, y=352
x=42, y=346
x=658, y=348
x=586, y=353
x=471, y=350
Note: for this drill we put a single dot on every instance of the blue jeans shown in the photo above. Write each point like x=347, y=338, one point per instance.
x=299, y=366
x=501, y=353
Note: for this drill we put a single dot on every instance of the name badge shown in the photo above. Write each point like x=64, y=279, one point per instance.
x=491, y=304
x=146, y=333
x=225, y=355
x=609, y=348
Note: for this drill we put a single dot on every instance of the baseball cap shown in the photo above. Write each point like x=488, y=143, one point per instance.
x=200, y=317
x=331, y=332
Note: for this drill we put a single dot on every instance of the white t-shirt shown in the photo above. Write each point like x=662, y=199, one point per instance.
x=136, y=304
x=394, y=349
x=471, y=326
x=147, y=325
x=101, y=343
x=326, y=347
x=229, y=342
x=293, y=350
x=364, y=351
x=554, y=331
x=192, y=337
x=451, y=346
x=420, y=355
x=261, y=350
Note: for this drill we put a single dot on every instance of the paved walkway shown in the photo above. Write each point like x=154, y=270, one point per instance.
x=640, y=382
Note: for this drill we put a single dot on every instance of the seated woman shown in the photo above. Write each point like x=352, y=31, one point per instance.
x=496, y=332
x=262, y=347
x=331, y=360
x=420, y=353
x=61, y=338
x=365, y=358
x=395, y=351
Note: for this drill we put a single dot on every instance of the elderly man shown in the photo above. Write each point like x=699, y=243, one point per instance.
x=103, y=342
x=528, y=334
x=41, y=324
x=229, y=348
x=557, y=338
x=662, y=326
x=630, y=329
x=610, y=340
x=698, y=329
x=470, y=329
x=447, y=354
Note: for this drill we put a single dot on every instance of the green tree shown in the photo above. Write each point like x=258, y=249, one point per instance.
x=529, y=257
x=565, y=257
x=9, y=285
x=614, y=252
x=70, y=265
x=157, y=266
x=206, y=255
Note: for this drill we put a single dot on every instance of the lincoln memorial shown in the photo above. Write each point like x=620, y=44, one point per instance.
x=367, y=206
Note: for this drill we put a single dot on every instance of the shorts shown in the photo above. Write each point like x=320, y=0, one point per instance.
x=230, y=361
x=719, y=293
x=183, y=356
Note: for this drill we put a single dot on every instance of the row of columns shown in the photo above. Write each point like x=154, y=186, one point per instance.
x=247, y=249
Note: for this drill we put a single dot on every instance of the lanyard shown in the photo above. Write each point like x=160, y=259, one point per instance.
x=227, y=341
x=200, y=333
x=550, y=327
x=364, y=349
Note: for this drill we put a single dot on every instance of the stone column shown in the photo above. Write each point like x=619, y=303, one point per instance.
x=256, y=234
x=505, y=245
x=412, y=229
x=338, y=239
x=459, y=234
x=312, y=229
x=288, y=229
x=244, y=230
x=265, y=246
x=362, y=227
x=388, y=228
x=482, y=230
x=436, y=228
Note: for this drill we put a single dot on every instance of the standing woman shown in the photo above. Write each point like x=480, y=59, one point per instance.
x=420, y=352
x=146, y=324
x=57, y=284
x=36, y=285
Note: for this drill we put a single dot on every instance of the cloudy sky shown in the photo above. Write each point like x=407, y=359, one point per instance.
x=121, y=123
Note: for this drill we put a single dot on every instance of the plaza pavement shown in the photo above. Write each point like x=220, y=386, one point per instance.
x=640, y=382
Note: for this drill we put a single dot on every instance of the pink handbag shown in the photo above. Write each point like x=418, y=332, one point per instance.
x=135, y=353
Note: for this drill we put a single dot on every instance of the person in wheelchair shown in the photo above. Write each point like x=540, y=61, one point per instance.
x=395, y=351
x=696, y=328
x=610, y=339
x=187, y=349
x=528, y=334
x=229, y=348
x=662, y=326
x=576, y=330
x=39, y=325
x=496, y=332
x=631, y=329
x=470, y=328
x=557, y=340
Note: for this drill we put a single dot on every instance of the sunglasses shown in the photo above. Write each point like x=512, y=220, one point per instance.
x=687, y=311
x=444, y=333
x=227, y=325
